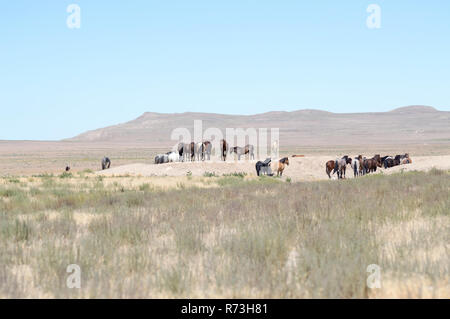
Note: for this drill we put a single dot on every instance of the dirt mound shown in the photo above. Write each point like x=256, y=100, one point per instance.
x=300, y=168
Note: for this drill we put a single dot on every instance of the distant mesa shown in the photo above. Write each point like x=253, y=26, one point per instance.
x=301, y=127
x=414, y=109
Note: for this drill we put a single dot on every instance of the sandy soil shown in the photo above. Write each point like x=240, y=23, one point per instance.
x=300, y=169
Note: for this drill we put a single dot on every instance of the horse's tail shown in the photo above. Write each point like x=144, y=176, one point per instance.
x=326, y=170
x=258, y=168
x=335, y=166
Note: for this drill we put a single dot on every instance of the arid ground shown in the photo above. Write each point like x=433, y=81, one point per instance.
x=225, y=236
x=31, y=158
x=216, y=230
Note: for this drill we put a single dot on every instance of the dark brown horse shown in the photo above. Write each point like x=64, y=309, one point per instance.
x=371, y=164
x=223, y=150
x=192, y=150
x=329, y=167
x=377, y=157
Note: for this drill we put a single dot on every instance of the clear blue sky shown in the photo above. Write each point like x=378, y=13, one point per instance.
x=223, y=56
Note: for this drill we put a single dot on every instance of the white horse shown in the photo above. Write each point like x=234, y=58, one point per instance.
x=340, y=166
x=161, y=159
x=355, y=164
x=173, y=157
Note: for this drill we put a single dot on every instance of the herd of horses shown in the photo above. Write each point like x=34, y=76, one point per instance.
x=202, y=151
x=190, y=152
x=362, y=165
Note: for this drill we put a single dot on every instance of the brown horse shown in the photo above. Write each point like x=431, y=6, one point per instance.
x=223, y=150
x=329, y=167
x=193, y=151
x=281, y=165
x=406, y=160
x=361, y=164
x=377, y=157
x=371, y=164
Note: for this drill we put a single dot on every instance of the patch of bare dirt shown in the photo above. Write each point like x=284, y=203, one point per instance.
x=300, y=169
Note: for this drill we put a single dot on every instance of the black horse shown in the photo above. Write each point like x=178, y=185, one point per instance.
x=263, y=168
x=106, y=163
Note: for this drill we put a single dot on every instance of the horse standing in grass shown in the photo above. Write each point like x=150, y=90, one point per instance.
x=248, y=149
x=106, y=163
x=280, y=165
x=355, y=164
x=384, y=158
x=377, y=157
x=263, y=168
x=329, y=167
x=340, y=166
x=361, y=167
x=371, y=164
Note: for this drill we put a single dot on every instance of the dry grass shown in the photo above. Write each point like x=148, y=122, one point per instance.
x=227, y=236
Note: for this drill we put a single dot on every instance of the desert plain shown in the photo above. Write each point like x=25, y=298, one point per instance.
x=213, y=229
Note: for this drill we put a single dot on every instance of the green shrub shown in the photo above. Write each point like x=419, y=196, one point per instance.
x=209, y=174
x=66, y=175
